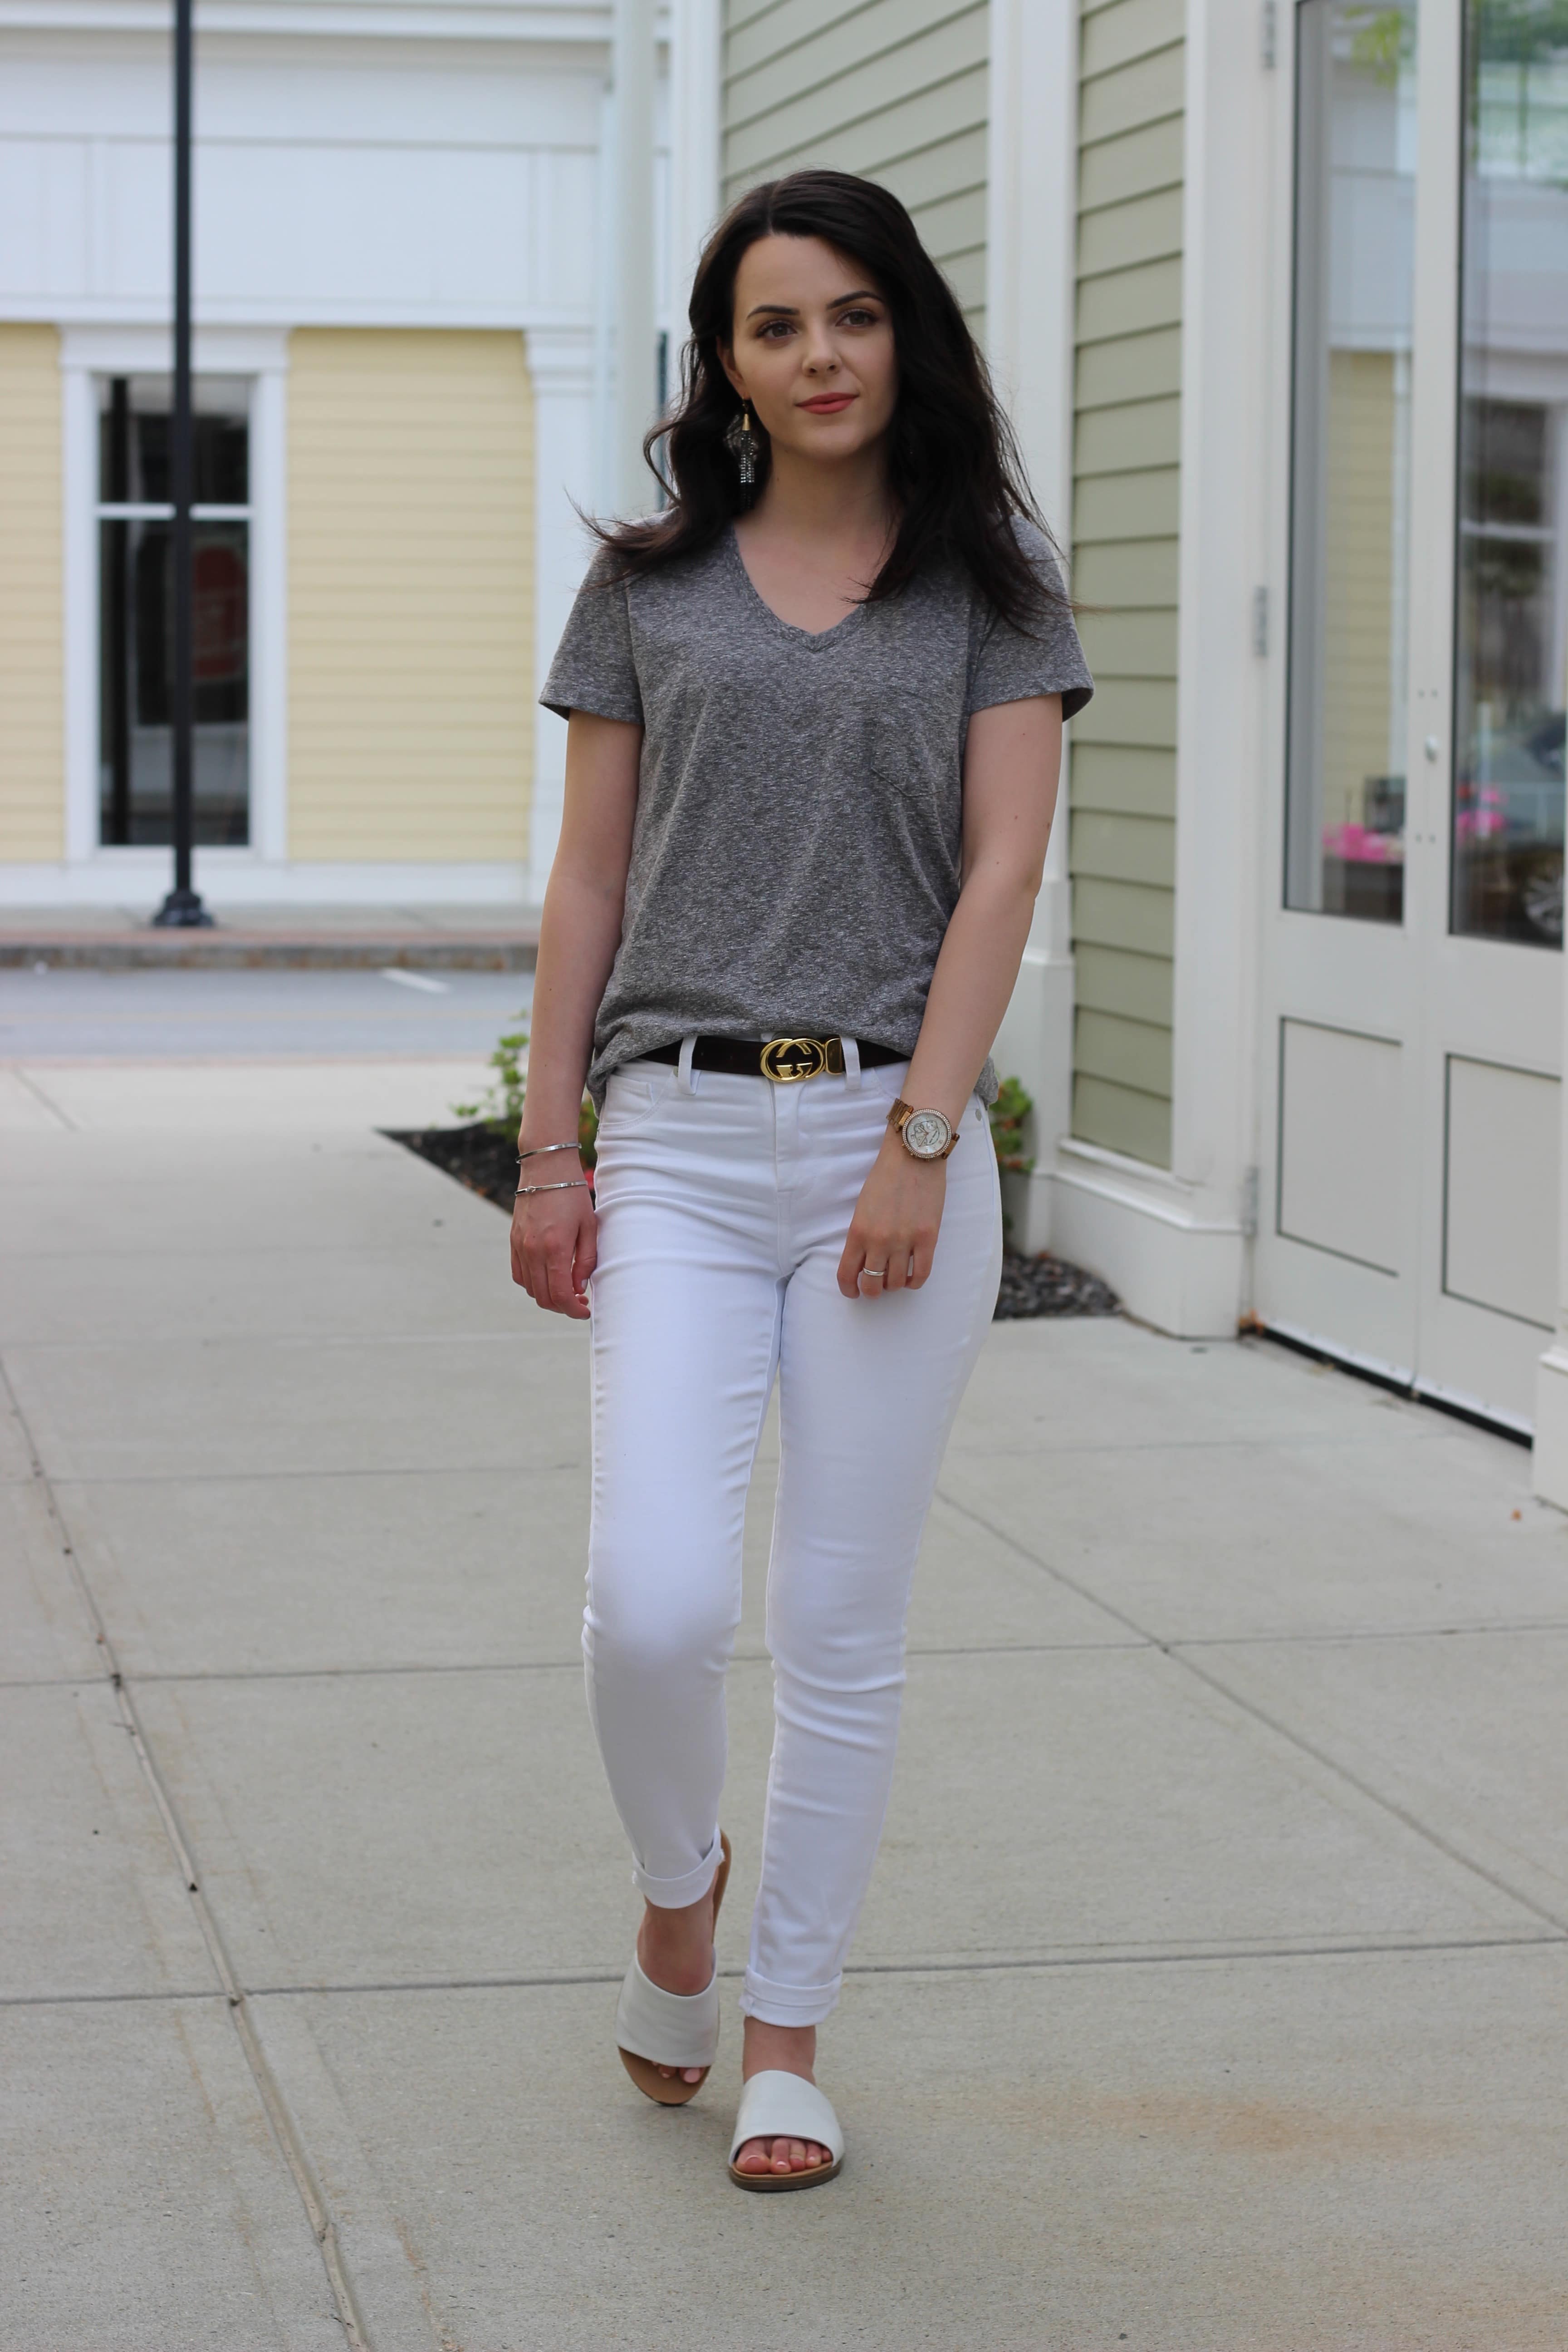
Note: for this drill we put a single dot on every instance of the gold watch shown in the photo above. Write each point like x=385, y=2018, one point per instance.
x=924, y=1134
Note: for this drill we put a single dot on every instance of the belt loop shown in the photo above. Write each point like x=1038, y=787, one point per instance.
x=851, y=1065
x=685, y=1075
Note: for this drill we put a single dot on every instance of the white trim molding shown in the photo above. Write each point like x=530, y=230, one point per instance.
x=696, y=37
x=261, y=356
x=1153, y=1237
x=1175, y=1244
x=562, y=367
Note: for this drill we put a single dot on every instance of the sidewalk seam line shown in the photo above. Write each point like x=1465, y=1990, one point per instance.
x=1176, y=1653
x=318, y=2213
x=1409, y=1947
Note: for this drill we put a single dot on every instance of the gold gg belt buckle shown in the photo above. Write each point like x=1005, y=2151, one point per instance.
x=786, y=1060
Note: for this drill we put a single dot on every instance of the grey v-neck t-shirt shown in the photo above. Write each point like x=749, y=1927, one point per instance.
x=795, y=856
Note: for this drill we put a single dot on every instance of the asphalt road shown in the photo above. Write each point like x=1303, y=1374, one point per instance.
x=53, y=1015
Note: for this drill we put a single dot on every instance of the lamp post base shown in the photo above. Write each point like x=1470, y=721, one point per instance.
x=182, y=911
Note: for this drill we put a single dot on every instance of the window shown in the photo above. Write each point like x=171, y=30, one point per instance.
x=1511, y=616
x=1355, y=212
x=135, y=623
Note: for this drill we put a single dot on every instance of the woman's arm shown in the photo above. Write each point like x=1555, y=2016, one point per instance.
x=553, y=1233
x=1011, y=766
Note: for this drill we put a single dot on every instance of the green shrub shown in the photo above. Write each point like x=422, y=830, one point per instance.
x=1010, y=1115
x=501, y=1104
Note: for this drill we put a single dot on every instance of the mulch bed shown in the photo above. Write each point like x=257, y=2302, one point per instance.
x=1049, y=1286
x=487, y=1163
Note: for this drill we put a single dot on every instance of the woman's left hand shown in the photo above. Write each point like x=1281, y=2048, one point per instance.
x=892, y=1234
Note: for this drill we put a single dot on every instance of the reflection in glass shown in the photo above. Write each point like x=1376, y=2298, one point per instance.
x=136, y=616
x=1356, y=182
x=1512, y=602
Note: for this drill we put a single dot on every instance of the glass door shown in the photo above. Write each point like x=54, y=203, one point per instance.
x=1408, y=1210
x=135, y=610
x=1490, y=1146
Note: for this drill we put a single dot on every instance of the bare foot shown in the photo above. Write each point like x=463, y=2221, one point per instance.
x=784, y=2050
x=675, y=1951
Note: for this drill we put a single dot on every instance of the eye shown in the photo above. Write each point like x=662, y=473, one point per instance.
x=772, y=330
x=858, y=317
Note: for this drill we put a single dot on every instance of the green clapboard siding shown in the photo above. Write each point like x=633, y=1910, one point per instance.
x=1127, y=413
x=895, y=90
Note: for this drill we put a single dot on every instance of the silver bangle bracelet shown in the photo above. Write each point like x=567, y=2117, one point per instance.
x=577, y=1183
x=540, y=1149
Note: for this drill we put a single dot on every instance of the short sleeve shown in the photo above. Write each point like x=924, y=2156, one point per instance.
x=594, y=667
x=1009, y=664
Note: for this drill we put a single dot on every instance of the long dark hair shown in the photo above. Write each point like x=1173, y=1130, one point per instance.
x=954, y=467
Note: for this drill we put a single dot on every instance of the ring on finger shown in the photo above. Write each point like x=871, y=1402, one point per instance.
x=873, y=1274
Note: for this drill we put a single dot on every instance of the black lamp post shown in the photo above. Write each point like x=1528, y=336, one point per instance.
x=182, y=909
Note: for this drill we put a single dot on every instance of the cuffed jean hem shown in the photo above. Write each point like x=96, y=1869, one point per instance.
x=775, y=2004
x=675, y=1894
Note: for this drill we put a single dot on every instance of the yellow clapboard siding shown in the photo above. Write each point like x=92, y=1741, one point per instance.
x=411, y=596
x=32, y=652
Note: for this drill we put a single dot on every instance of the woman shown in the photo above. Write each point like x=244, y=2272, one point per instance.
x=815, y=712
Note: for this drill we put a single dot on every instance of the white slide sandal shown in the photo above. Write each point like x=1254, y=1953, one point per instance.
x=655, y=2028
x=777, y=2105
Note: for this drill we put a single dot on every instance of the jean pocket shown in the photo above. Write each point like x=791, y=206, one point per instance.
x=634, y=1095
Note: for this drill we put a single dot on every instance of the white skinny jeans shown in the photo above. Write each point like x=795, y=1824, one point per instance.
x=723, y=1206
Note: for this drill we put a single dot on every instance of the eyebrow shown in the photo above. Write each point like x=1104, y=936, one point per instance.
x=792, y=309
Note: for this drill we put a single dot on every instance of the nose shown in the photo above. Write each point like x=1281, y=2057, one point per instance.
x=821, y=359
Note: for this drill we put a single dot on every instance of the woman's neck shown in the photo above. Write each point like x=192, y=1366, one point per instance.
x=838, y=506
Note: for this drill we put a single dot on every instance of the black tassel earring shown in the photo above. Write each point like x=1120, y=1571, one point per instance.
x=744, y=442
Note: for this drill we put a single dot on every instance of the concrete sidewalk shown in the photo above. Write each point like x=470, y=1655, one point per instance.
x=262, y=937
x=1210, y=1996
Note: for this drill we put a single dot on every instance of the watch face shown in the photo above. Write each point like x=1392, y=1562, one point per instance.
x=927, y=1134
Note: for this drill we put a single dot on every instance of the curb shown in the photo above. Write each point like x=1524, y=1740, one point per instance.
x=236, y=951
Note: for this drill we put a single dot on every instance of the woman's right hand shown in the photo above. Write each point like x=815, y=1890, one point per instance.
x=555, y=1244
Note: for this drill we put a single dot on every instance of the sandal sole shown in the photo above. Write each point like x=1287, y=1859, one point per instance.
x=772, y=2181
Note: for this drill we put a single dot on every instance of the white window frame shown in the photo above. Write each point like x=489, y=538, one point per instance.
x=260, y=357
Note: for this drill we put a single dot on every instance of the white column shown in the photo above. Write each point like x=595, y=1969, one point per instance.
x=1220, y=711
x=632, y=235
x=1031, y=221
x=696, y=37
x=561, y=365
x=1550, y=1470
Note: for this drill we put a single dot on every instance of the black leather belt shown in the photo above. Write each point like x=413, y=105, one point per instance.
x=782, y=1059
